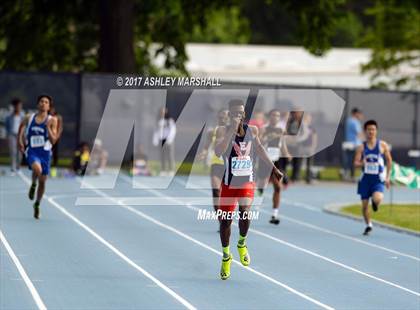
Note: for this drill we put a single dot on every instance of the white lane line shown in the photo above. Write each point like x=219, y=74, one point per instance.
x=333, y=261
x=40, y=304
x=188, y=237
x=303, y=205
x=314, y=254
x=327, y=231
x=115, y=250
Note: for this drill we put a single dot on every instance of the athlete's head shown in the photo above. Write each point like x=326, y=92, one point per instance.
x=371, y=129
x=237, y=109
x=222, y=117
x=274, y=117
x=45, y=103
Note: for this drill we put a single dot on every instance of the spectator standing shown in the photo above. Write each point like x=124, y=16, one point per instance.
x=353, y=138
x=164, y=138
x=13, y=121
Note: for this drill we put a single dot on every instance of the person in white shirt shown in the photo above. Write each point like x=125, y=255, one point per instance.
x=164, y=138
x=12, y=128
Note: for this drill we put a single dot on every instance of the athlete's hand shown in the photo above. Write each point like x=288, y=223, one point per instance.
x=387, y=183
x=277, y=173
x=236, y=121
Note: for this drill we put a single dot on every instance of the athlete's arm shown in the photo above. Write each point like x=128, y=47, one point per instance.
x=263, y=154
x=358, y=162
x=285, y=149
x=388, y=158
x=53, y=133
x=223, y=139
x=59, y=125
x=21, y=138
x=262, y=135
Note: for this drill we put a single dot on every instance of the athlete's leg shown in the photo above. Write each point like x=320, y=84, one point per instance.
x=227, y=257
x=225, y=229
x=261, y=184
x=36, y=176
x=365, y=210
x=244, y=223
x=227, y=203
x=377, y=198
x=263, y=176
x=36, y=173
x=36, y=170
x=215, y=185
x=41, y=188
x=276, y=200
x=366, y=216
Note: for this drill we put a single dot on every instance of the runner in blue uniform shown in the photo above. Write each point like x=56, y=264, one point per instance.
x=371, y=157
x=37, y=134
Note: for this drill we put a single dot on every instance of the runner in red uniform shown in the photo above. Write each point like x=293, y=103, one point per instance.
x=238, y=144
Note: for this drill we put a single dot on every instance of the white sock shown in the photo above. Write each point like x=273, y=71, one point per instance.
x=276, y=212
x=370, y=224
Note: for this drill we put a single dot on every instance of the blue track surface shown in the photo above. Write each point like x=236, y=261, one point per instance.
x=130, y=256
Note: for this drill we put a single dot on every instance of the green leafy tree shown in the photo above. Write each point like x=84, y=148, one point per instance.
x=395, y=43
x=98, y=35
x=127, y=35
x=225, y=25
x=305, y=22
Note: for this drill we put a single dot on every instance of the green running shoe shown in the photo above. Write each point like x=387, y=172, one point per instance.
x=243, y=255
x=225, y=270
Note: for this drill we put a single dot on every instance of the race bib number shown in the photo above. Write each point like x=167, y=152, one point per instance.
x=241, y=166
x=371, y=168
x=273, y=153
x=37, y=141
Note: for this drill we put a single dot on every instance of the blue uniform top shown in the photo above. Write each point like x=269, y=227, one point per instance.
x=37, y=138
x=374, y=162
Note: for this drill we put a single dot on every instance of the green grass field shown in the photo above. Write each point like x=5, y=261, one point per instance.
x=402, y=215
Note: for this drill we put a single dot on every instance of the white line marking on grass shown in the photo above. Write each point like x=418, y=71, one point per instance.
x=40, y=304
x=115, y=250
x=318, y=256
x=327, y=231
x=187, y=237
